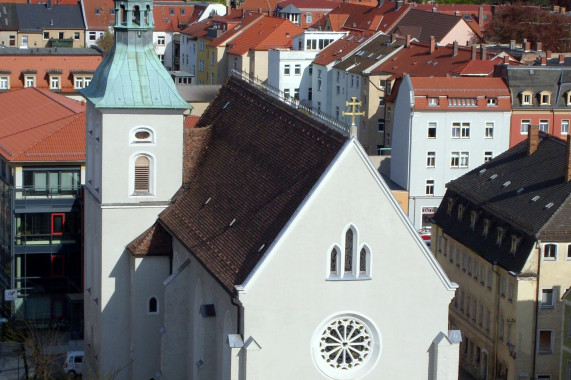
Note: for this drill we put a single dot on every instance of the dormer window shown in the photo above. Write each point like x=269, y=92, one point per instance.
x=433, y=102
x=568, y=97
x=486, y=228
x=527, y=98
x=515, y=243
x=460, y=211
x=545, y=98
x=450, y=206
x=492, y=102
x=500, y=236
x=473, y=219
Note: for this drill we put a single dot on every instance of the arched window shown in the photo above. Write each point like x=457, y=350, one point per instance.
x=333, y=261
x=142, y=174
x=349, y=243
x=153, y=306
x=136, y=15
x=363, y=261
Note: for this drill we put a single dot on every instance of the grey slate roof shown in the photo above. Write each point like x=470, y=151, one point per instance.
x=34, y=18
x=370, y=54
x=503, y=191
x=430, y=23
x=8, y=17
x=556, y=80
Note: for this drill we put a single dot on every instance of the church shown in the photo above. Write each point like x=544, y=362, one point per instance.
x=254, y=243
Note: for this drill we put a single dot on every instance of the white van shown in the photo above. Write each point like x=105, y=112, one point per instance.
x=73, y=363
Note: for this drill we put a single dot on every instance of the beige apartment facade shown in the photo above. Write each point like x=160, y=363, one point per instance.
x=505, y=239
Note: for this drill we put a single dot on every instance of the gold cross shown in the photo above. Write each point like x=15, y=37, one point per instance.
x=353, y=103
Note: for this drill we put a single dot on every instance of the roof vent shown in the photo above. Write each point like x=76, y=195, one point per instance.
x=506, y=184
x=232, y=222
x=534, y=199
x=483, y=171
x=520, y=190
x=208, y=200
x=493, y=176
x=225, y=105
x=261, y=247
x=549, y=205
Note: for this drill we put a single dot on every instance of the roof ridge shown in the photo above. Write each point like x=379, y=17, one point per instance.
x=58, y=100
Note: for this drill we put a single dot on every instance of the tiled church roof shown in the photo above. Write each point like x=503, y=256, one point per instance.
x=262, y=160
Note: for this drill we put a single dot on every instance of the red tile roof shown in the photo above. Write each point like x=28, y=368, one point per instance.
x=309, y=4
x=233, y=29
x=478, y=67
x=98, y=14
x=363, y=17
x=461, y=87
x=340, y=48
x=416, y=60
x=264, y=6
x=38, y=125
x=42, y=64
x=169, y=17
x=267, y=33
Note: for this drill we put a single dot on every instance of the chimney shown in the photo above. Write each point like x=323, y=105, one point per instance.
x=455, y=48
x=195, y=143
x=432, y=44
x=512, y=44
x=480, y=16
x=563, y=10
x=407, y=44
x=49, y=4
x=568, y=158
x=434, y=10
x=548, y=54
x=556, y=8
x=483, y=53
x=243, y=12
x=506, y=60
x=543, y=61
x=379, y=3
x=527, y=46
x=473, y=58
x=532, y=138
x=538, y=46
x=561, y=58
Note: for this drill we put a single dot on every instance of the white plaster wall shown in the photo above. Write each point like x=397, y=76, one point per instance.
x=219, y=9
x=461, y=33
x=321, y=95
x=147, y=276
x=289, y=296
x=117, y=156
x=338, y=100
x=189, y=337
x=166, y=49
x=277, y=59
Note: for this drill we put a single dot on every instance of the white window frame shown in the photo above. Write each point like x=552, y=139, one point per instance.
x=4, y=82
x=488, y=156
x=551, y=303
x=429, y=187
x=525, y=125
x=134, y=140
x=297, y=69
x=565, y=127
x=544, y=123
x=492, y=102
x=527, y=98
x=29, y=80
x=55, y=82
x=545, y=251
x=430, y=159
x=152, y=175
x=433, y=102
x=489, y=131
x=545, y=98
x=432, y=125
x=287, y=70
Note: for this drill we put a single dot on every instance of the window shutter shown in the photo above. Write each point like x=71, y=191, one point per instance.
x=142, y=172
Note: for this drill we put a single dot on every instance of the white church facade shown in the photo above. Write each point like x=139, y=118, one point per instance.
x=256, y=244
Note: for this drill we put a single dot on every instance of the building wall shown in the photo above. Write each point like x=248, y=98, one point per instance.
x=278, y=59
x=462, y=33
x=259, y=64
x=320, y=226
x=36, y=40
x=553, y=118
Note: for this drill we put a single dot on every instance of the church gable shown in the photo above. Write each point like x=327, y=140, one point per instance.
x=261, y=160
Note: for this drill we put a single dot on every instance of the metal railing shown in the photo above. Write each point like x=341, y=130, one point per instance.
x=46, y=192
x=307, y=109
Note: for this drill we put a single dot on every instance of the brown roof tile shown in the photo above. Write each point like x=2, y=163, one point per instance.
x=155, y=241
x=262, y=161
x=341, y=48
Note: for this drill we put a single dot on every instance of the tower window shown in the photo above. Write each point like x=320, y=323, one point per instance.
x=153, y=306
x=142, y=174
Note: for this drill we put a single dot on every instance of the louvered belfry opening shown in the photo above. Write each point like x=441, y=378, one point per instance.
x=142, y=173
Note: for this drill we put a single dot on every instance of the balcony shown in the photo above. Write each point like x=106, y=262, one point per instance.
x=28, y=198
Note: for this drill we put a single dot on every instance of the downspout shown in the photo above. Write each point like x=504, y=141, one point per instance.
x=236, y=302
x=535, y=310
x=496, y=327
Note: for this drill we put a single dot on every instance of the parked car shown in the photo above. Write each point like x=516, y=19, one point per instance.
x=73, y=363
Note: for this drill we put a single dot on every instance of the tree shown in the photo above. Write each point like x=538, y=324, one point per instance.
x=105, y=42
x=519, y=20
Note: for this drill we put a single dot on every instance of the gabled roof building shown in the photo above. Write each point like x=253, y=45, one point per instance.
x=503, y=233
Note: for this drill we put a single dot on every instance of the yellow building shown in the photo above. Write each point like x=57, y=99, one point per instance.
x=503, y=233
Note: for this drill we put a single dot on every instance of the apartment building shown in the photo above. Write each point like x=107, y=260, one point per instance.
x=503, y=233
x=42, y=155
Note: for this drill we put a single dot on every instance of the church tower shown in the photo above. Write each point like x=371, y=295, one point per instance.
x=134, y=156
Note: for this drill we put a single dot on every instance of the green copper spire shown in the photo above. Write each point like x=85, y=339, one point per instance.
x=131, y=75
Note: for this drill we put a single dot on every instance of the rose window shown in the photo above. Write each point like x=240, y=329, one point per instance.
x=346, y=346
x=345, y=343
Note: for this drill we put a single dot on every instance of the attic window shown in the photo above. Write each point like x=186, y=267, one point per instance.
x=520, y=190
x=549, y=205
x=545, y=98
x=486, y=228
x=506, y=184
x=450, y=206
x=361, y=39
x=460, y=211
x=535, y=199
x=473, y=219
x=526, y=98
x=568, y=96
x=433, y=102
x=361, y=53
x=500, y=237
x=493, y=176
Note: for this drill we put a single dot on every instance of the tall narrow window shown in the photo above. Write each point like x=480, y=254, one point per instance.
x=349, y=251
x=153, y=306
x=363, y=261
x=333, y=263
x=142, y=174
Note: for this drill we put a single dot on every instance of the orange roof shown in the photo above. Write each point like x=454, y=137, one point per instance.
x=170, y=17
x=42, y=63
x=267, y=33
x=416, y=60
x=360, y=16
x=99, y=14
x=478, y=67
x=233, y=30
x=37, y=125
x=461, y=87
x=264, y=6
x=340, y=48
